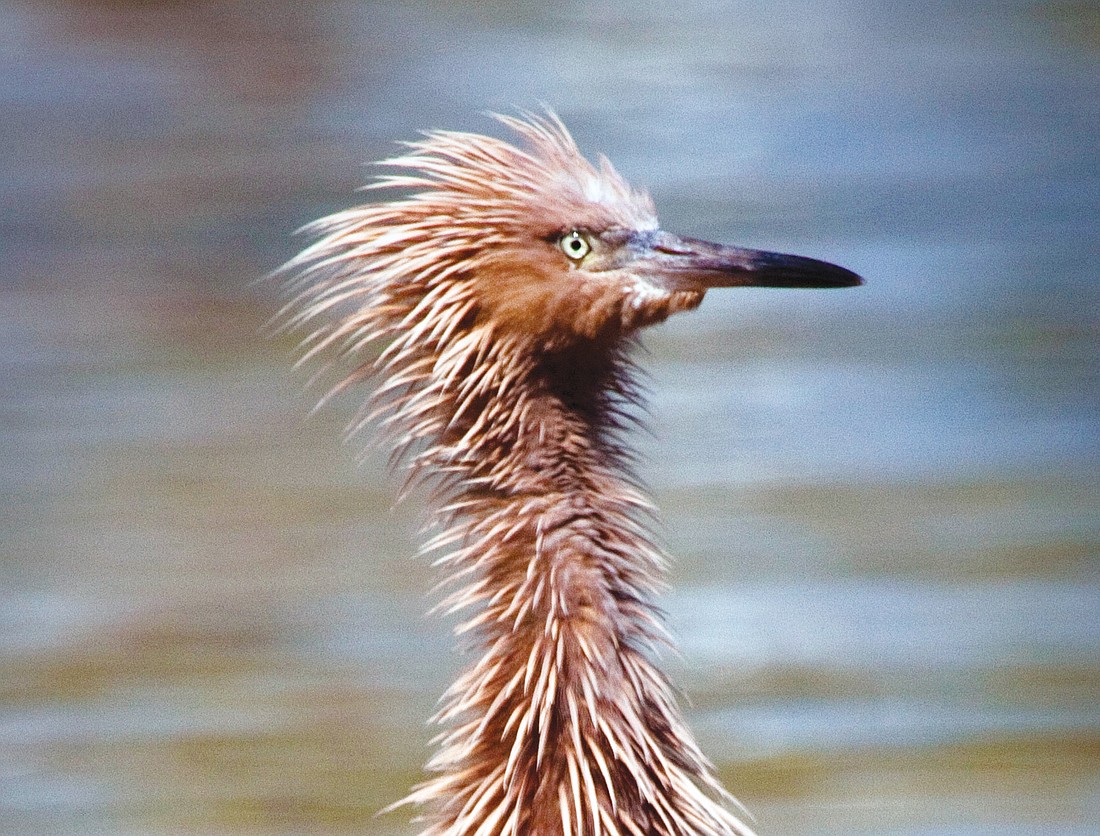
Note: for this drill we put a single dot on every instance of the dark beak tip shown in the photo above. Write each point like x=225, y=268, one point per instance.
x=780, y=270
x=847, y=278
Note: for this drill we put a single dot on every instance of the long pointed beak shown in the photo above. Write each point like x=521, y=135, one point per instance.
x=689, y=264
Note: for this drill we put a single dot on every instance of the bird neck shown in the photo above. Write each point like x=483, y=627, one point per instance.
x=563, y=722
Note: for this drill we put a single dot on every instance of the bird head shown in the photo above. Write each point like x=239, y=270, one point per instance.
x=533, y=241
x=582, y=252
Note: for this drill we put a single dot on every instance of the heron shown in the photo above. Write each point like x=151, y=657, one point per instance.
x=495, y=299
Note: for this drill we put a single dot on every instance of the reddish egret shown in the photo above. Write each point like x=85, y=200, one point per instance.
x=497, y=303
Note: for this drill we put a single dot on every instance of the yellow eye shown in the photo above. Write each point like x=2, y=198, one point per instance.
x=574, y=245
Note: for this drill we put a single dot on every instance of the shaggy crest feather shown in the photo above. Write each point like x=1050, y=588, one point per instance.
x=504, y=383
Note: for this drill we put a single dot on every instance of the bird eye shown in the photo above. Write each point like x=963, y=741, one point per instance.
x=574, y=245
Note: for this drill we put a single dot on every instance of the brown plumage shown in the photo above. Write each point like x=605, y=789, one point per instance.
x=496, y=303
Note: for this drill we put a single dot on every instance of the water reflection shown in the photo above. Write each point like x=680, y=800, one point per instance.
x=883, y=504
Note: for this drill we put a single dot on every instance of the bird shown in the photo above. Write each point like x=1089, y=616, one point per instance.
x=494, y=301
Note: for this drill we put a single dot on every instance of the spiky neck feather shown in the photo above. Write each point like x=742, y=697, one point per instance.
x=564, y=725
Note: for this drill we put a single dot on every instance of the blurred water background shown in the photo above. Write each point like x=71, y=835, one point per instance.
x=883, y=502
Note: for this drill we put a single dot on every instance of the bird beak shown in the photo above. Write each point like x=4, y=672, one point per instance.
x=688, y=264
